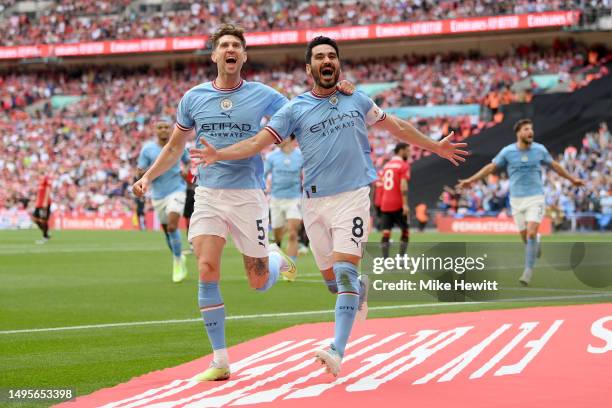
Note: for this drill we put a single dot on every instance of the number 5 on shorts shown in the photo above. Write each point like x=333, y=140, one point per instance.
x=262, y=232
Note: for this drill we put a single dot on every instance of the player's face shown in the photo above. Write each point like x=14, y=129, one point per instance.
x=525, y=134
x=324, y=66
x=162, y=131
x=229, y=55
x=404, y=154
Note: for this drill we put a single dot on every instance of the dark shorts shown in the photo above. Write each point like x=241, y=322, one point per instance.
x=189, y=201
x=389, y=219
x=42, y=213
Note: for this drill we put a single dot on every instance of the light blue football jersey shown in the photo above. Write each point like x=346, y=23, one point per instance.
x=224, y=117
x=524, y=168
x=286, y=170
x=332, y=135
x=168, y=182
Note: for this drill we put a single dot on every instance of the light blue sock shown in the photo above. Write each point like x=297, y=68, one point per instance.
x=274, y=265
x=531, y=250
x=168, y=240
x=213, y=313
x=347, y=303
x=332, y=286
x=175, y=243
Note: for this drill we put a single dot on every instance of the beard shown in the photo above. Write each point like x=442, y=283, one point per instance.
x=527, y=140
x=323, y=83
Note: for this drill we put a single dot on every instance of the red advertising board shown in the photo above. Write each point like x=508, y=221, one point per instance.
x=369, y=32
x=534, y=357
x=93, y=221
x=484, y=225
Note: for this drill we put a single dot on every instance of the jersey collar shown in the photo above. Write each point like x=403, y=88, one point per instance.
x=227, y=89
x=319, y=96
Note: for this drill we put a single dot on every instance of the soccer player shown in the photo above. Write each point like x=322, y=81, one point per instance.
x=190, y=179
x=331, y=130
x=394, y=198
x=523, y=161
x=229, y=197
x=168, y=194
x=42, y=210
x=285, y=167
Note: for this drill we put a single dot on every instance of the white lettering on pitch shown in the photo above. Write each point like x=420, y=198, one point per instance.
x=172, y=388
x=372, y=362
x=221, y=400
x=598, y=330
x=525, y=328
x=454, y=367
x=416, y=357
x=536, y=346
x=271, y=395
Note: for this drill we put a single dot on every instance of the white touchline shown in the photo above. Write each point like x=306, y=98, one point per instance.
x=291, y=314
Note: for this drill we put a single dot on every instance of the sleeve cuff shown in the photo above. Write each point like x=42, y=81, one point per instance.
x=275, y=134
x=183, y=128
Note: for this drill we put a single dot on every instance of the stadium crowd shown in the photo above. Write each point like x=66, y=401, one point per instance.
x=90, y=146
x=65, y=21
x=590, y=206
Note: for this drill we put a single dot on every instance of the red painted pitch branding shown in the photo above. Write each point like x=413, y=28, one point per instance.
x=551, y=356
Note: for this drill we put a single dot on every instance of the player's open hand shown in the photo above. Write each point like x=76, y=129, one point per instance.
x=463, y=184
x=204, y=156
x=346, y=87
x=451, y=151
x=141, y=186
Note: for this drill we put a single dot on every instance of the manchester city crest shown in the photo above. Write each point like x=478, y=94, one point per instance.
x=333, y=100
x=524, y=158
x=226, y=104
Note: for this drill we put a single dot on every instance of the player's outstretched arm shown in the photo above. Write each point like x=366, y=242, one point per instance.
x=170, y=154
x=405, y=131
x=560, y=170
x=241, y=150
x=482, y=173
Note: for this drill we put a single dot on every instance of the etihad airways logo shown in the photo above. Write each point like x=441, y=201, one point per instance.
x=226, y=126
x=343, y=119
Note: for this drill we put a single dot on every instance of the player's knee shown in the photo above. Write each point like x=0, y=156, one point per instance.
x=172, y=228
x=207, y=271
x=293, y=235
x=531, y=234
x=347, y=277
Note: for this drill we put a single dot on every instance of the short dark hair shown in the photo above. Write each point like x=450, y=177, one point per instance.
x=320, y=40
x=399, y=146
x=519, y=125
x=228, y=29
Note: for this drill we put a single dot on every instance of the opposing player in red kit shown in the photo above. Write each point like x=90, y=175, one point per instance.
x=394, y=198
x=42, y=211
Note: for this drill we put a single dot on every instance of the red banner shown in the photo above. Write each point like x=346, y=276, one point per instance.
x=369, y=32
x=484, y=225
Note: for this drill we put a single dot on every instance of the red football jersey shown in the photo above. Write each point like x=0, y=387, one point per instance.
x=394, y=172
x=43, y=187
x=378, y=189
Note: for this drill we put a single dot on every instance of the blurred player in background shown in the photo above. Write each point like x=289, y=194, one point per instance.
x=168, y=194
x=42, y=209
x=190, y=179
x=394, y=198
x=331, y=130
x=284, y=165
x=523, y=161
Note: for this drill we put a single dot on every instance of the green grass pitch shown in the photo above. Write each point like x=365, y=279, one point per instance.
x=99, y=277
